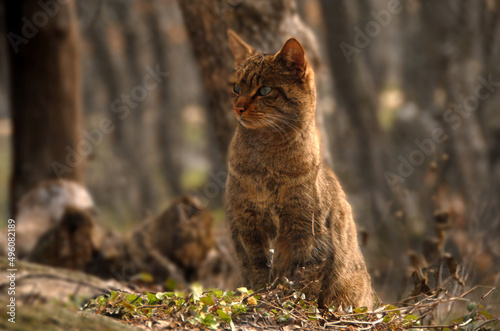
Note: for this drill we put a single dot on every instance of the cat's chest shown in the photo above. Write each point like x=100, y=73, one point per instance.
x=262, y=191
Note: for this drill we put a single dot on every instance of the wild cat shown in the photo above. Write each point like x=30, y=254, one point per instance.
x=280, y=195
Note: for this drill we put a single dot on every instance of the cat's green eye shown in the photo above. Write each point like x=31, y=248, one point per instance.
x=264, y=90
x=236, y=89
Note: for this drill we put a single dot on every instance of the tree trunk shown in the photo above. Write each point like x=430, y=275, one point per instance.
x=355, y=93
x=467, y=141
x=455, y=52
x=136, y=151
x=169, y=124
x=45, y=96
x=211, y=48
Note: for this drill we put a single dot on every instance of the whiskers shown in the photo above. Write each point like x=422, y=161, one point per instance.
x=267, y=122
x=284, y=121
x=287, y=128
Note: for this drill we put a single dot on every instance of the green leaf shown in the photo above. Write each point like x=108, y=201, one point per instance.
x=361, y=310
x=218, y=293
x=179, y=302
x=312, y=317
x=102, y=300
x=179, y=294
x=207, y=300
x=390, y=307
x=128, y=306
x=230, y=294
x=224, y=316
x=485, y=314
x=239, y=309
x=410, y=320
x=114, y=296
x=411, y=317
x=282, y=318
x=134, y=298
x=151, y=298
x=210, y=321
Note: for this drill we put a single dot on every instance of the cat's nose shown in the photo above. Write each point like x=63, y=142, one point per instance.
x=239, y=109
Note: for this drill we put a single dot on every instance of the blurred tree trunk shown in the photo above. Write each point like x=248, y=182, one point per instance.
x=4, y=69
x=169, y=124
x=422, y=67
x=457, y=24
x=45, y=96
x=375, y=58
x=449, y=56
x=211, y=48
x=136, y=151
x=108, y=71
x=356, y=96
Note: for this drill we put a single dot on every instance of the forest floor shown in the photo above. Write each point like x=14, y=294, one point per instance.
x=57, y=299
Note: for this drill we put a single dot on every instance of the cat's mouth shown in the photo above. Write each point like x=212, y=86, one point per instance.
x=250, y=123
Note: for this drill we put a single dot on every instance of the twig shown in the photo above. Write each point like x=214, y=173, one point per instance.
x=153, y=306
x=454, y=325
x=357, y=322
x=484, y=296
x=496, y=320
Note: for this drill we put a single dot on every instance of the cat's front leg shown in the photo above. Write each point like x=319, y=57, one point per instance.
x=251, y=240
x=256, y=247
x=294, y=247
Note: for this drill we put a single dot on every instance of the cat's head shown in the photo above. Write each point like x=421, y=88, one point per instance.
x=273, y=91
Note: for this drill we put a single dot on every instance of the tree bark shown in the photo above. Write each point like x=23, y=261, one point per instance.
x=168, y=129
x=207, y=33
x=356, y=96
x=467, y=142
x=45, y=97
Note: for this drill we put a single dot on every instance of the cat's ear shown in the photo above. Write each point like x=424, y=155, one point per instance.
x=293, y=55
x=241, y=50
